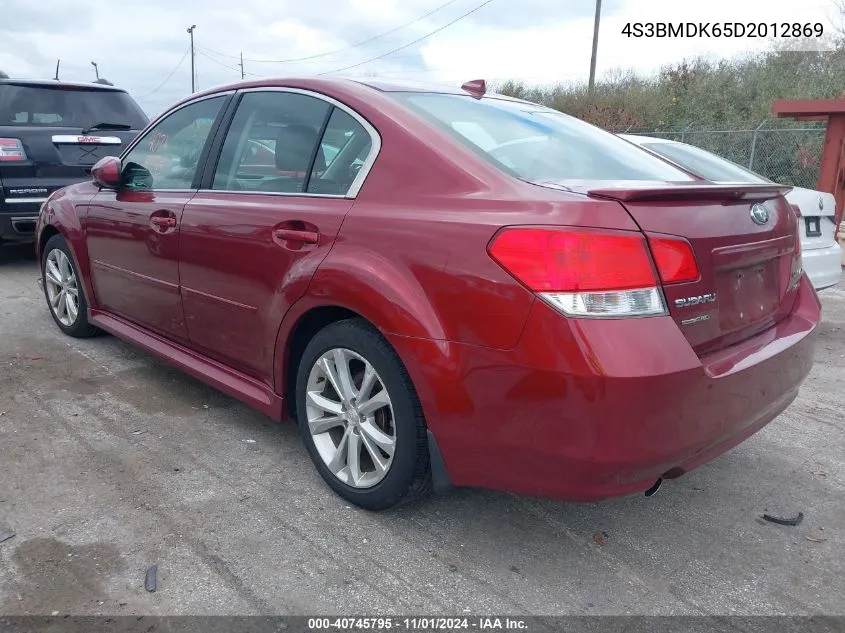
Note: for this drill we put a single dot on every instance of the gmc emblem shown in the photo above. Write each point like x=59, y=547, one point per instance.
x=694, y=301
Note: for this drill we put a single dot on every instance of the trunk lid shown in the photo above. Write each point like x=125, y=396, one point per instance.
x=745, y=242
x=817, y=224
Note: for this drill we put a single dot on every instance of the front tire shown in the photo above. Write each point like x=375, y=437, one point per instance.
x=360, y=417
x=64, y=291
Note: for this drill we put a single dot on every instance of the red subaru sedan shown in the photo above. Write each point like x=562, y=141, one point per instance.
x=442, y=287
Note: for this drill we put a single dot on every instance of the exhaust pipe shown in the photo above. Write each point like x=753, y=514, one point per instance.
x=653, y=490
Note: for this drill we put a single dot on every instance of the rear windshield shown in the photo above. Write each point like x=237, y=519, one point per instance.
x=703, y=163
x=67, y=106
x=536, y=143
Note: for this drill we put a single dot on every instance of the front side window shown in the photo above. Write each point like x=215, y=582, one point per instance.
x=535, y=143
x=703, y=163
x=167, y=157
x=271, y=143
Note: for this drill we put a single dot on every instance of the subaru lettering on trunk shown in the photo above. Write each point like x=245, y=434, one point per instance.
x=694, y=301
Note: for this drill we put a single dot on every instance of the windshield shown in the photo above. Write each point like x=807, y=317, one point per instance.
x=703, y=163
x=67, y=106
x=536, y=143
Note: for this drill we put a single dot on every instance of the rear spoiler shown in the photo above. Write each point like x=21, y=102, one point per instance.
x=654, y=191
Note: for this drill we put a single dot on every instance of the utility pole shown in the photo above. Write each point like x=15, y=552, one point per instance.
x=96, y=70
x=595, y=46
x=193, y=72
x=242, y=65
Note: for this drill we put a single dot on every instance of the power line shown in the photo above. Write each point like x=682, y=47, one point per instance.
x=346, y=48
x=208, y=51
x=211, y=59
x=170, y=76
x=419, y=39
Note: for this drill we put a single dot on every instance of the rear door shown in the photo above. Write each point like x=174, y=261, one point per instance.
x=255, y=233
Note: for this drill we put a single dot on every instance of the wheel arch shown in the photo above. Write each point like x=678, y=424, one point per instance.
x=355, y=282
x=293, y=343
x=308, y=316
x=302, y=322
x=46, y=233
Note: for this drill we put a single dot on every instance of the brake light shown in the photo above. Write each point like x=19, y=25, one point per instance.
x=11, y=150
x=796, y=210
x=797, y=262
x=674, y=258
x=582, y=273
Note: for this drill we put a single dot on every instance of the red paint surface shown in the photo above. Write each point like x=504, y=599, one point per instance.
x=518, y=396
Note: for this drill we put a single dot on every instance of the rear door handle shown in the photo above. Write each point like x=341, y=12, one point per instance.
x=297, y=235
x=163, y=222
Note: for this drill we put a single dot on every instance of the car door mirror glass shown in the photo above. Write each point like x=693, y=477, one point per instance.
x=136, y=177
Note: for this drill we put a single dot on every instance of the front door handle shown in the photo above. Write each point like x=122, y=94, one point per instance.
x=163, y=222
x=297, y=235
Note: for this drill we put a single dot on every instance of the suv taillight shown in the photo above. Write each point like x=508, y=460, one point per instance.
x=11, y=150
x=592, y=273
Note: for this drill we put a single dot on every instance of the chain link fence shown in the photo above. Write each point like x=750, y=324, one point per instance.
x=788, y=155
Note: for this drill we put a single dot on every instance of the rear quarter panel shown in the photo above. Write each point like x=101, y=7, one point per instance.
x=412, y=253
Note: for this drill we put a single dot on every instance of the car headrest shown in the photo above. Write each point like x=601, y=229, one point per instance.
x=294, y=144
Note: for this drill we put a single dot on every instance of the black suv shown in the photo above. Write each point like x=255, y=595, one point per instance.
x=51, y=133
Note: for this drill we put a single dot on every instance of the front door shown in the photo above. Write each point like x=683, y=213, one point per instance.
x=133, y=233
x=251, y=241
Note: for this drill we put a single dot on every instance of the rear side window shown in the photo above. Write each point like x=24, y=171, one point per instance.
x=292, y=143
x=67, y=106
x=343, y=149
x=270, y=143
x=704, y=164
x=536, y=143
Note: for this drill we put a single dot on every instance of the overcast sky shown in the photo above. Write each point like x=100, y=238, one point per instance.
x=139, y=46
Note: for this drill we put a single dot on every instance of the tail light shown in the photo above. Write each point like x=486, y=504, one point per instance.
x=797, y=263
x=674, y=258
x=11, y=150
x=584, y=273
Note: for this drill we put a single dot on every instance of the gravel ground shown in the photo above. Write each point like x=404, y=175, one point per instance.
x=111, y=462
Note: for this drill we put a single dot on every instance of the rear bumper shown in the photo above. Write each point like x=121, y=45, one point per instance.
x=823, y=265
x=585, y=409
x=17, y=218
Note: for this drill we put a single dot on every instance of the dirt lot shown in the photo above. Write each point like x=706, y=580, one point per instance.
x=111, y=462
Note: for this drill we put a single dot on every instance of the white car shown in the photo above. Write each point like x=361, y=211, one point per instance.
x=820, y=253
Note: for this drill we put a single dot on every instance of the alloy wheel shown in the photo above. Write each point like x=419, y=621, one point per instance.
x=62, y=287
x=350, y=417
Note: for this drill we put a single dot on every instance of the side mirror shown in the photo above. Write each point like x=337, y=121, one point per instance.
x=107, y=172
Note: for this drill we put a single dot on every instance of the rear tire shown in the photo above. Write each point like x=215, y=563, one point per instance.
x=360, y=417
x=64, y=290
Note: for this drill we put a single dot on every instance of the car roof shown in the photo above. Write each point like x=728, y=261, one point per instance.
x=338, y=81
x=401, y=85
x=52, y=83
